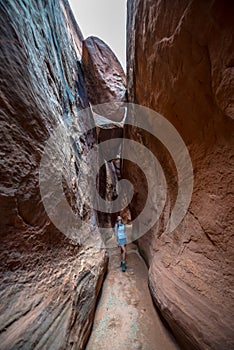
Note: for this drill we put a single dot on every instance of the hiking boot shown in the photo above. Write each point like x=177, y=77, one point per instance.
x=123, y=264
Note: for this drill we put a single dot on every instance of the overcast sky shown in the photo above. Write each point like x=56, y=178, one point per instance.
x=105, y=19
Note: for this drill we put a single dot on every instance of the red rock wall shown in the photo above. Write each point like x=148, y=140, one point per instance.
x=49, y=283
x=180, y=63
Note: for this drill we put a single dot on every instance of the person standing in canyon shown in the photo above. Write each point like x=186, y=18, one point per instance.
x=122, y=240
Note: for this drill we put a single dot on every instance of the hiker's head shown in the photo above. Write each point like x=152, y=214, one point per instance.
x=119, y=218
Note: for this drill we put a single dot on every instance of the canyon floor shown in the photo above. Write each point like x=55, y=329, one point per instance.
x=126, y=317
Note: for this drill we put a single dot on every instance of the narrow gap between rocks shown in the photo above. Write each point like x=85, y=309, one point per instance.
x=125, y=317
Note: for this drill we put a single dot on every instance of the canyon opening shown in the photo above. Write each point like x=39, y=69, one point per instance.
x=116, y=193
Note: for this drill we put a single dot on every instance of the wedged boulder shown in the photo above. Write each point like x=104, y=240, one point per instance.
x=105, y=79
x=50, y=280
x=108, y=130
x=180, y=64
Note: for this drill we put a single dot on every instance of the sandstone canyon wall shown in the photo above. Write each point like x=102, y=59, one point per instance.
x=50, y=281
x=180, y=64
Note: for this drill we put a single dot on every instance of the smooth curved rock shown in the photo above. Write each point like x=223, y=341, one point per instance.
x=50, y=282
x=105, y=79
x=180, y=63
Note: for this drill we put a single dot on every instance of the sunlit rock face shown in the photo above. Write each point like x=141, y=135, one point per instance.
x=50, y=281
x=180, y=63
x=105, y=78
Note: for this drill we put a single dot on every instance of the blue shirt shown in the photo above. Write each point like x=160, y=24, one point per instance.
x=121, y=231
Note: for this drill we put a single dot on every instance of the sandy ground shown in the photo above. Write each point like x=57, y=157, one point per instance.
x=125, y=318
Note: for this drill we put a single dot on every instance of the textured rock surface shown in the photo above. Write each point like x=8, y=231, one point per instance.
x=105, y=78
x=51, y=304
x=180, y=63
x=49, y=283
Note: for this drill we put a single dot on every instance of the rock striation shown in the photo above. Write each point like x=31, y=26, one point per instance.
x=50, y=281
x=180, y=64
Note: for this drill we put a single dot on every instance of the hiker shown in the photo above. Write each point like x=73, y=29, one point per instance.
x=122, y=240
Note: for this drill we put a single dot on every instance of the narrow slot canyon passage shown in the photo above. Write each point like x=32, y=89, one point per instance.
x=83, y=142
x=126, y=317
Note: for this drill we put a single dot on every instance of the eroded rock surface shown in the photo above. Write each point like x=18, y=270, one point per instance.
x=105, y=78
x=180, y=63
x=50, y=282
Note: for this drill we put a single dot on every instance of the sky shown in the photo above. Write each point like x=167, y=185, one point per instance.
x=105, y=19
